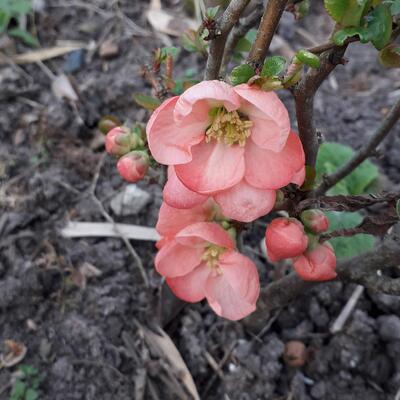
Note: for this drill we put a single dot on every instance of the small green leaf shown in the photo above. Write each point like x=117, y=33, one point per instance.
x=169, y=51
x=25, y=36
x=308, y=58
x=241, y=74
x=211, y=12
x=389, y=56
x=341, y=35
x=347, y=12
x=18, y=390
x=348, y=246
x=302, y=8
x=4, y=20
x=148, y=102
x=333, y=155
x=244, y=44
x=28, y=370
x=273, y=66
x=380, y=26
x=336, y=8
x=182, y=84
x=31, y=394
x=395, y=7
x=16, y=7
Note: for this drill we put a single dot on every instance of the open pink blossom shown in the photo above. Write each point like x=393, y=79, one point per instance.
x=318, y=264
x=201, y=262
x=285, y=238
x=315, y=220
x=218, y=136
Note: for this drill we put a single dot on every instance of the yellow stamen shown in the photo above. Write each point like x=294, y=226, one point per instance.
x=229, y=128
x=211, y=257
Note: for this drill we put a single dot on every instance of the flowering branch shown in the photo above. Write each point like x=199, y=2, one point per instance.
x=266, y=30
x=304, y=100
x=224, y=25
x=369, y=147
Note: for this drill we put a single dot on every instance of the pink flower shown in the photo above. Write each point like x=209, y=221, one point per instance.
x=120, y=141
x=315, y=220
x=318, y=264
x=218, y=136
x=200, y=262
x=133, y=166
x=285, y=238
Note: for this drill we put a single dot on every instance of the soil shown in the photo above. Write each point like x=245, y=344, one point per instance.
x=87, y=343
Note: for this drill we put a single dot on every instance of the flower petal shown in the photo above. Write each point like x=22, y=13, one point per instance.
x=244, y=202
x=269, y=170
x=214, y=167
x=196, y=101
x=299, y=177
x=271, y=124
x=177, y=195
x=201, y=232
x=171, y=220
x=175, y=259
x=234, y=293
x=168, y=143
x=190, y=287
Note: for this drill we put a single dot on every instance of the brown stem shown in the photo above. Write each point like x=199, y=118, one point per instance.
x=365, y=151
x=224, y=25
x=266, y=30
x=304, y=101
x=361, y=269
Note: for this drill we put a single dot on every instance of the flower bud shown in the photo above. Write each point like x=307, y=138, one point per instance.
x=120, y=141
x=318, y=264
x=315, y=220
x=285, y=238
x=133, y=166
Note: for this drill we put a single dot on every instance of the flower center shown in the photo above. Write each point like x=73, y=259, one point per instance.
x=211, y=256
x=228, y=127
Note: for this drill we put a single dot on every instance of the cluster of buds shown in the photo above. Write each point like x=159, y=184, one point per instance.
x=129, y=147
x=290, y=238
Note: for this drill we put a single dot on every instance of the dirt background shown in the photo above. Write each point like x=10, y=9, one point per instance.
x=87, y=343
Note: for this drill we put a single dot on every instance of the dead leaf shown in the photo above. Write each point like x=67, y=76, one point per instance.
x=15, y=353
x=89, y=270
x=162, y=344
x=62, y=88
x=164, y=22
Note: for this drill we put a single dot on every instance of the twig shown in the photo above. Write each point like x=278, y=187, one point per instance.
x=108, y=217
x=240, y=31
x=265, y=33
x=369, y=147
x=340, y=321
x=330, y=45
x=304, y=100
x=224, y=25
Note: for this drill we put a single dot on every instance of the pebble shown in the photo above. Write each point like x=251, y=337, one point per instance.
x=108, y=49
x=130, y=201
x=389, y=327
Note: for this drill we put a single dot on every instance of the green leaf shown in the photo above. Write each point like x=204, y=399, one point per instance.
x=148, y=102
x=395, y=7
x=25, y=36
x=16, y=7
x=341, y=35
x=244, y=44
x=348, y=246
x=4, y=20
x=241, y=74
x=31, y=394
x=211, y=12
x=389, y=56
x=308, y=58
x=336, y=8
x=28, y=370
x=18, y=390
x=169, y=51
x=380, y=26
x=333, y=155
x=347, y=12
x=273, y=66
x=182, y=84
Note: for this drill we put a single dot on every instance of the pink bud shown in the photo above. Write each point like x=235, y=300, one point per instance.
x=133, y=166
x=315, y=220
x=318, y=264
x=120, y=141
x=285, y=238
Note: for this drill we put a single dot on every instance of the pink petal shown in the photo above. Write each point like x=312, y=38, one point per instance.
x=271, y=124
x=177, y=195
x=299, y=177
x=175, y=259
x=190, y=287
x=214, y=167
x=171, y=220
x=245, y=203
x=196, y=101
x=168, y=143
x=234, y=293
x=269, y=170
x=199, y=233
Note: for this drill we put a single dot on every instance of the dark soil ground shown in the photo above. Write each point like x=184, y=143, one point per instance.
x=88, y=343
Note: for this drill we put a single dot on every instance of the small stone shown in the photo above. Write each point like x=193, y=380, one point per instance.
x=130, y=201
x=295, y=353
x=63, y=369
x=74, y=61
x=389, y=327
x=108, y=49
